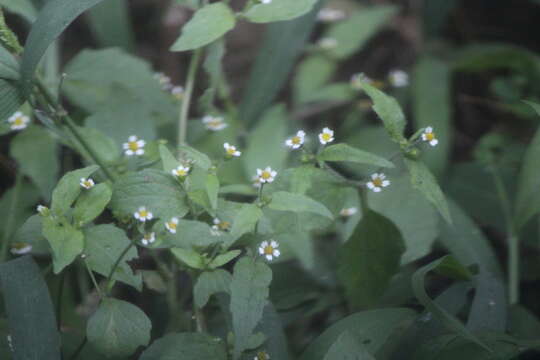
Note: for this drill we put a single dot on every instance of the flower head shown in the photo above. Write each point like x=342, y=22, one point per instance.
x=378, y=181
x=171, y=225
x=181, y=171
x=398, y=78
x=262, y=355
x=328, y=15
x=163, y=80
x=134, y=146
x=356, y=79
x=231, y=150
x=142, y=214
x=87, y=183
x=429, y=136
x=18, y=121
x=256, y=181
x=269, y=249
x=346, y=212
x=148, y=238
x=327, y=136
x=42, y=210
x=267, y=175
x=296, y=141
x=221, y=225
x=20, y=248
x=177, y=92
x=214, y=123
x=327, y=43
x=265, y=1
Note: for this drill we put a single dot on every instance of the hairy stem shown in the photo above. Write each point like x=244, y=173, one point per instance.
x=186, y=100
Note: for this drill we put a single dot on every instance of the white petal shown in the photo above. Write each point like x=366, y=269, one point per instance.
x=261, y=250
x=296, y=146
x=226, y=146
x=216, y=221
x=139, y=152
x=301, y=134
x=269, y=257
x=276, y=253
x=132, y=138
x=174, y=220
x=377, y=189
x=289, y=143
x=259, y=172
x=385, y=183
x=424, y=137
x=370, y=185
x=141, y=143
x=129, y=152
x=429, y=129
x=434, y=142
x=264, y=244
x=374, y=176
x=382, y=176
x=274, y=244
x=136, y=215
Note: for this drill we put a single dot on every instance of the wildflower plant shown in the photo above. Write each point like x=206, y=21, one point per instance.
x=175, y=243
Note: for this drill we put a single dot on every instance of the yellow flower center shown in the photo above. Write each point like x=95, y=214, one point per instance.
x=214, y=124
x=377, y=182
x=430, y=136
x=133, y=146
x=224, y=225
x=326, y=136
x=296, y=140
x=87, y=184
x=231, y=150
x=147, y=237
x=266, y=175
x=181, y=172
x=261, y=355
x=268, y=250
x=172, y=225
x=143, y=213
x=18, y=121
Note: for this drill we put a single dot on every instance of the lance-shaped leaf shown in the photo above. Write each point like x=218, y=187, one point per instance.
x=344, y=152
x=91, y=204
x=69, y=188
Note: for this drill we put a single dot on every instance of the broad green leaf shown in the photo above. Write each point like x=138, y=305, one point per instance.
x=29, y=309
x=388, y=110
x=353, y=33
x=66, y=241
x=223, y=259
x=167, y=158
x=52, y=20
x=11, y=100
x=37, y=154
x=266, y=142
x=191, y=233
x=528, y=196
x=110, y=23
x=118, y=328
x=203, y=188
x=208, y=24
x=312, y=73
x=249, y=294
x=278, y=10
x=286, y=201
x=347, y=347
x=9, y=67
x=189, y=153
x=104, y=147
x=24, y=8
x=424, y=181
x=31, y=233
x=432, y=108
x=369, y=259
x=344, y=152
x=103, y=246
x=186, y=346
x=372, y=328
x=271, y=328
x=210, y=283
x=158, y=191
x=339, y=92
x=91, y=203
x=281, y=46
x=245, y=220
x=190, y=257
x=69, y=188
x=448, y=320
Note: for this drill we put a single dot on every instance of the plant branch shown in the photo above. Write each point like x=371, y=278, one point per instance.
x=186, y=100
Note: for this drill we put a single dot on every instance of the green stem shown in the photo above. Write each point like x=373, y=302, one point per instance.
x=186, y=99
x=93, y=278
x=79, y=349
x=110, y=280
x=11, y=216
x=59, y=300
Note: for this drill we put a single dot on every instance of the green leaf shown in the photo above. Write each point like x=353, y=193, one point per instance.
x=104, y=245
x=158, y=191
x=424, y=181
x=66, y=241
x=210, y=283
x=312, y=74
x=118, y=328
x=223, y=259
x=286, y=201
x=186, y=346
x=9, y=67
x=69, y=188
x=167, y=158
x=266, y=142
x=347, y=347
x=207, y=25
x=369, y=259
x=24, y=8
x=189, y=153
x=432, y=108
x=11, y=100
x=104, y=147
x=52, y=20
x=245, y=220
x=30, y=312
x=344, y=152
x=271, y=328
x=31, y=233
x=353, y=33
x=212, y=189
x=528, y=196
x=191, y=233
x=278, y=10
x=203, y=189
x=388, y=110
x=190, y=257
x=372, y=328
x=448, y=320
x=110, y=23
x=36, y=152
x=91, y=204
x=249, y=294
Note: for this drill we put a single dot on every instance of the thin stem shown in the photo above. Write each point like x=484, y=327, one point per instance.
x=110, y=280
x=186, y=99
x=93, y=278
x=59, y=300
x=11, y=216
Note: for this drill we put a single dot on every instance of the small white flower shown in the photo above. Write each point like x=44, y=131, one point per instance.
x=377, y=182
x=215, y=232
x=265, y=1
x=171, y=225
x=18, y=121
x=221, y=225
x=356, y=79
x=296, y=141
x=398, y=78
x=327, y=43
x=163, y=80
x=327, y=136
x=267, y=175
x=262, y=355
x=214, y=123
x=256, y=181
x=231, y=150
x=134, y=146
x=42, y=210
x=328, y=15
x=346, y=212
x=429, y=136
x=10, y=343
x=148, y=238
x=20, y=248
x=269, y=249
x=177, y=92
x=87, y=183
x=181, y=171
x=142, y=214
